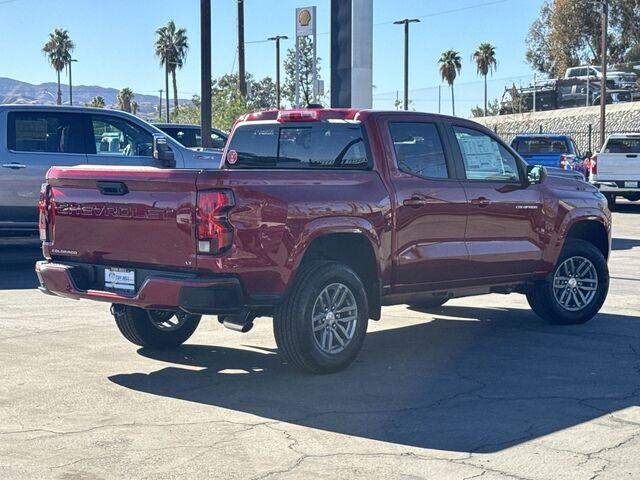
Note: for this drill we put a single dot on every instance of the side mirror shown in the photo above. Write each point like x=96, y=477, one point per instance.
x=162, y=151
x=535, y=174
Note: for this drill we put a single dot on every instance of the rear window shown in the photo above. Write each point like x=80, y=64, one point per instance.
x=528, y=146
x=186, y=136
x=48, y=132
x=293, y=146
x=623, y=145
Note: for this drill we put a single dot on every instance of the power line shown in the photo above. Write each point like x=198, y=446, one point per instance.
x=427, y=15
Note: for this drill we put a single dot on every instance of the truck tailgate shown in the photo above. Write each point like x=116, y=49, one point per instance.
x=619, y=166
x=131, y=216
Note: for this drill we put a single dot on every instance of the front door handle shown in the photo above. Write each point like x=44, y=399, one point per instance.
x=13, y=166
x=481, y=202
x=415, y=201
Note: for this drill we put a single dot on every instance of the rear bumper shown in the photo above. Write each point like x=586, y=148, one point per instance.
x=193, y=294
x=616, y=187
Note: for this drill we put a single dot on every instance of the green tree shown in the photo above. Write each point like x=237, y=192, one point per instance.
x=306, y=72
x=58, y=51
x=97, y=102
x=125, y=99
x=492, y=109
x=485, y=59
x=450, y=66
x=171, y=48
x=567, y=34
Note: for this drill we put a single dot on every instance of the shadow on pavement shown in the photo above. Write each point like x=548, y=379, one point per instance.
x=17, y=260
x=624, y=243
x=484, y=381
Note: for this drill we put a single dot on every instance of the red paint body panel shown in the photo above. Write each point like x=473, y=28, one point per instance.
x=449, y=240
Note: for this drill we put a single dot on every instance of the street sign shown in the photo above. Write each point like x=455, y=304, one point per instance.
x=305, y=21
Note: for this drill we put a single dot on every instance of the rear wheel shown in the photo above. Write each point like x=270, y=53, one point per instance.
x=575, y=291
x=633, y=198
x=154, y=328
x=321, y=325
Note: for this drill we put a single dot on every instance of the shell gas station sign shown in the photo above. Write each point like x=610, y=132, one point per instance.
x=305, y=21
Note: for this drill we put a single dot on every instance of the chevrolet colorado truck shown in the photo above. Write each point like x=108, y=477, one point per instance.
x=319, y=218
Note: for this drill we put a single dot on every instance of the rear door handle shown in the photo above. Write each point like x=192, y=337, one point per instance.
x=481, y=202
x=632, y=156
x=415, y=201
x=14, y=166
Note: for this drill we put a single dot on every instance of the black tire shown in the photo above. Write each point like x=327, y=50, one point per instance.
x=543, y=301
x=611, y=201
x=293, y=325
x=138, y=326
x=430, y=304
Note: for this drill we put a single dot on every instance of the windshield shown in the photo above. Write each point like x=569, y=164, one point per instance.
x=530, y=146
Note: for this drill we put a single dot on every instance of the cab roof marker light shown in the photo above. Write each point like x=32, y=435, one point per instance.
x=298, y=116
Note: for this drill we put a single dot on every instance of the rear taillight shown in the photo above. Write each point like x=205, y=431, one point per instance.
x=214, y=233
x=44, y=212
x=593, y=165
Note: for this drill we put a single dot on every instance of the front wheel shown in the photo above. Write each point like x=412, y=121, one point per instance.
x=321, y=325
x=154, y=328
x=575, y=291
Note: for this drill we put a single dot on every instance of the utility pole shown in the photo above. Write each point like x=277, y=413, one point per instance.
x=205, y=72
x=277, y=39
x=160, y=106
x=406, y=23
x=603, y=78
x=242, y=81
x=166, y=86
x=71, y=60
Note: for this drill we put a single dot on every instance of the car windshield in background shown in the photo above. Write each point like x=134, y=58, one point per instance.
x=317, y=145
x=531, y=146
x=623, y=145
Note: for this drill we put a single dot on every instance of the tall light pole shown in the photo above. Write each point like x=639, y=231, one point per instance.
x=277, y=39
x=406, y=23
x=71, y=60
x=166, y=88
x=603, y=77
x=242, y=80
x=205, y=72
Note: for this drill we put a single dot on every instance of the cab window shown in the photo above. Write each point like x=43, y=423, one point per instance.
x=419, y=149
x=119, y=137
x=485, y=158
x=46, y=132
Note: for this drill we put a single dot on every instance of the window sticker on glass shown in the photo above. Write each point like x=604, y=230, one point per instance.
x=480, y=153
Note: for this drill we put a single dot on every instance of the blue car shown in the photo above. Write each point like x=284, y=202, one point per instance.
x=549, y=150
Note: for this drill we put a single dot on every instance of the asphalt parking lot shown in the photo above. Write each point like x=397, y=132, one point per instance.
x=479, y=388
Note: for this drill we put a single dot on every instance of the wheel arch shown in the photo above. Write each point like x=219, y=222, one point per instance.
x=351, y=241
x=593, y=231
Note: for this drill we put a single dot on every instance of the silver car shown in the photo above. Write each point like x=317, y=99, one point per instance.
x=34, y=138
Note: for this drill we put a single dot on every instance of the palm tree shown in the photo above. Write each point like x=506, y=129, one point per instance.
x=450, y=66
x=134, y=107
x=171, y=48
x=125, y=98
x=485, y=58
x=97, y=102
x=58, y=51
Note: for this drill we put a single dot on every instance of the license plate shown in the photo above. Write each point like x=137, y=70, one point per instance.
x=631, y=184
x=119, y=279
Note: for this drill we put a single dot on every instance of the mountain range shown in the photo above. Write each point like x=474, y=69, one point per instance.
x=15, y=91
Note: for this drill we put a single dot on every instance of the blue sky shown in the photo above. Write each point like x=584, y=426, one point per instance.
x=114, y=42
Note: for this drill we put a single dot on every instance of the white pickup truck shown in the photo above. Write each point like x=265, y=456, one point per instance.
x=615, y=170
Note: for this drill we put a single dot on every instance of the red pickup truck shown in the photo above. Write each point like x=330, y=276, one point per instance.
x=319, y=218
